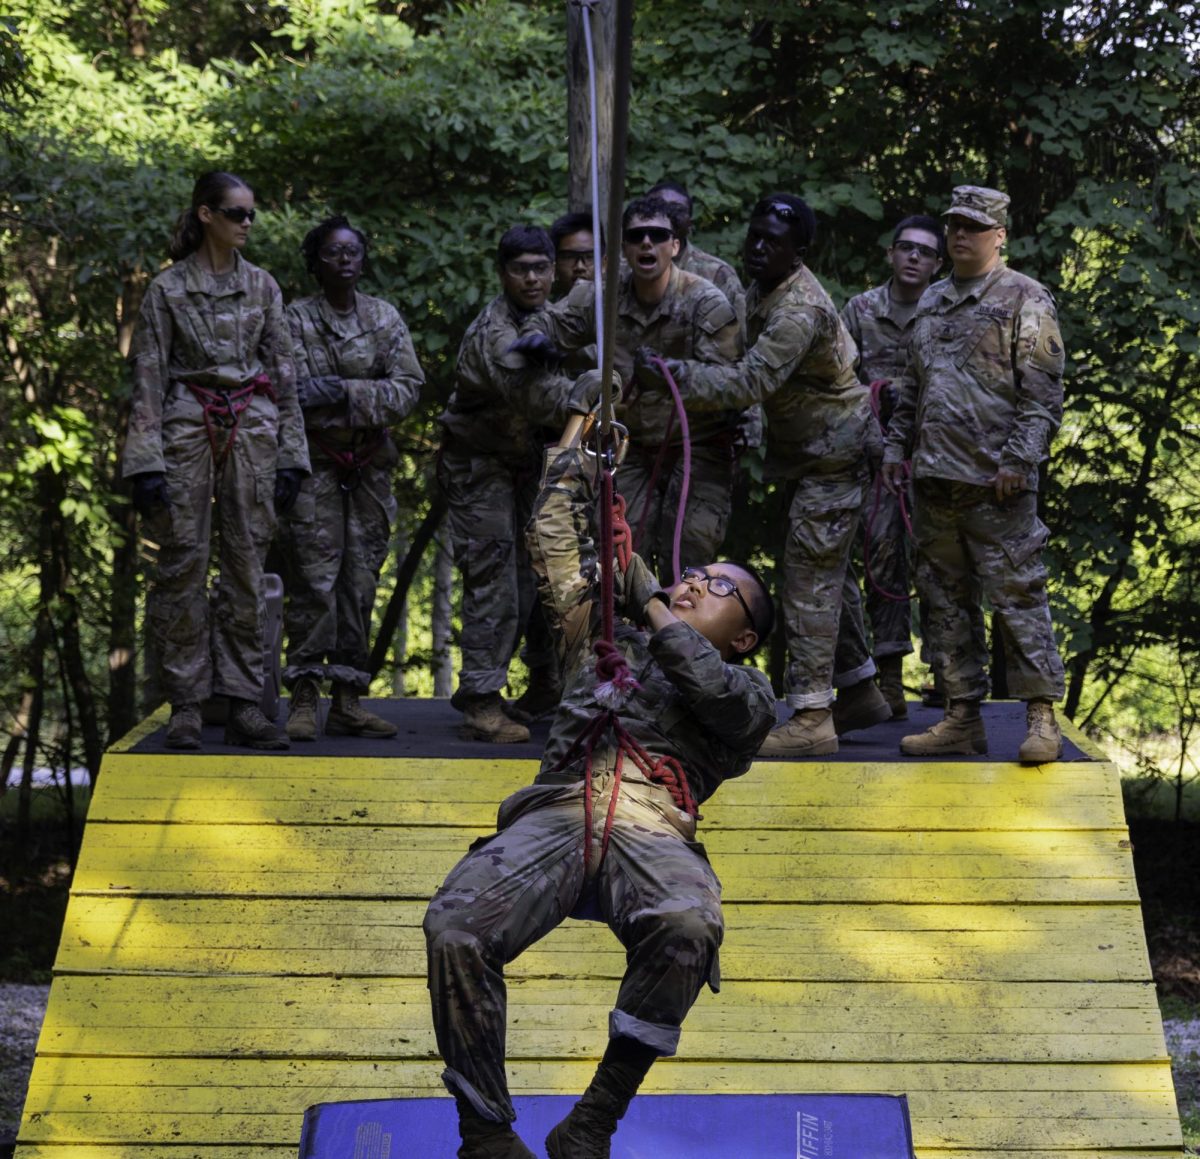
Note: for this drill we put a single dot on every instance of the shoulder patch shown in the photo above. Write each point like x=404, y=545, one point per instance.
x=714, y=313
x=1049, y=354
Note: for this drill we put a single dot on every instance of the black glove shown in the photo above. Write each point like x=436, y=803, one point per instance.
x=327, y=391
x=649, y=375
x=288, y=481
x=535, y=347
x=150, y=492
x=585, y=392
x=636, y=588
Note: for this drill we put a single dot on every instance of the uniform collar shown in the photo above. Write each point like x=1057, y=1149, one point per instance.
x=343, y=325
x=197, y=280
x=950, y=292
x=629, y=305
x=758, y=303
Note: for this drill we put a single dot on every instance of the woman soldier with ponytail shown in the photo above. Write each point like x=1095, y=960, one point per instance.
x=216, y=445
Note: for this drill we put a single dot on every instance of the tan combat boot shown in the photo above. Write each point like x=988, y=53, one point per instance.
x=959, y=731
x=183, y=730
x=859, y=706
x=484, y=718
x=809, y=733
x=304, y=710
x=542, y=696
x=1043, y=740
x=348, y=718
x=248, y=728
x=891, y=684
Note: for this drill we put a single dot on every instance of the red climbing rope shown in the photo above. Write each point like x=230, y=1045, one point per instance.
x=223, y=408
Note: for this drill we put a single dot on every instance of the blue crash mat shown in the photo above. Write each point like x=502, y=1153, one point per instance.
x=656, y=1127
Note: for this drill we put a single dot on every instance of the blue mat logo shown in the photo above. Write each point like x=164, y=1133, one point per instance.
x=814, y=1137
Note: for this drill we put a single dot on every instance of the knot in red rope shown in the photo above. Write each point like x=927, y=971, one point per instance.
x=615, y=683
x=621, y=534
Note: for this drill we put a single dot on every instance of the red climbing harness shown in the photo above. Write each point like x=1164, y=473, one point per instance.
x=223, y=409
x=350, y=461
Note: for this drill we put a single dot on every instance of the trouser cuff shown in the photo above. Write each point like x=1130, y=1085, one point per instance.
x=457, y=1085
x=855, y=675
x=801, y=700
x=892, y=648
x=663, y=1039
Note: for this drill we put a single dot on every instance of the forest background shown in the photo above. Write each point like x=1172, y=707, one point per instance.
x=435, y=125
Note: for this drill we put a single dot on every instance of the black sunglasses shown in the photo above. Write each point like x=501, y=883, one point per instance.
x=656, y=233
x=778, y=209
x=234, y=212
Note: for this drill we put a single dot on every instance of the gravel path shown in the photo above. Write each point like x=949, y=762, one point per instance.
x=21, y=1010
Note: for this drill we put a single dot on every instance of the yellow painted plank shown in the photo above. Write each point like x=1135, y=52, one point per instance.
x=410, y=792
x=379, y=861
x=563, y=1018
x=268, y=935
x=260, y=1102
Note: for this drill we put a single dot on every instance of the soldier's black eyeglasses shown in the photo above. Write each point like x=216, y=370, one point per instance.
x=235, y=213
x=657, y=234
x=334, y=252
x=908, y=247
x=719, y=585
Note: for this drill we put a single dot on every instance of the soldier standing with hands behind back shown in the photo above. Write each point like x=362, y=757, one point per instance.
x=980, y=401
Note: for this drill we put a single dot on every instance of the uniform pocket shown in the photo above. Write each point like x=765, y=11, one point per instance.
x=1025, y=542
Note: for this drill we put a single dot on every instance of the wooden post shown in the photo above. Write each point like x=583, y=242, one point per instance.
x=579, y=179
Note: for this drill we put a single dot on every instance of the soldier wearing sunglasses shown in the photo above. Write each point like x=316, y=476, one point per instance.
x=488, y=470
x=980, y=400
x=215, y=449
x=685, y=316
x=881, y=323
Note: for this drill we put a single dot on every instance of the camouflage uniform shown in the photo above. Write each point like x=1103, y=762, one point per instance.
x=983, y=389
x=220, y=333
x=654, y=887
x=881, y=329
x=693, y=320
x=801, y=368
x=335, y=538
x=488, y=471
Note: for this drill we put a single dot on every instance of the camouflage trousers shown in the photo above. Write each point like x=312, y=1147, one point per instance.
x=490, y=502
x=710, y=494
x=334, y=541
x=886, y=570
x=819, y=592
x=654, y=889
x=971, y=547
x=237, y=503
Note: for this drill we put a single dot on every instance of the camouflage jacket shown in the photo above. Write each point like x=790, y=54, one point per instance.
x=500, y=402
x=722, y=275
x=370, y=350
x=693, y=320
x=218, y=333
x=882, y=330
x=983, y=385
x=691, y=705
x=800, y=366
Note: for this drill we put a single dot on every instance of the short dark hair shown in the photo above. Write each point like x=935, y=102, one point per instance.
x=310, y=247
x=523, y=239
x=647, y=207
x=801, y=219
x=762, y=603
x=925, y=223
x=571, y=223
x=672, y=187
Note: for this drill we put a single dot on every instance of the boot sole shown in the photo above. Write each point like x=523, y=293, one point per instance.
x=974, y=749
x=1040, y=760
x=367, y=733
x=826, y=748
x=183, y=744
x=279, y=744
x=468, y=733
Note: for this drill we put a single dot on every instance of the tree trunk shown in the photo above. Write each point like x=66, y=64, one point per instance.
x=443, y=600
x=579, y=122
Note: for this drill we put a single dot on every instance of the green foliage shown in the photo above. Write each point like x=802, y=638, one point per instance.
x=434, y=126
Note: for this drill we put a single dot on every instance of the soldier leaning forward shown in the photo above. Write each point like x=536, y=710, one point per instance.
x=214, y=416
x=643, y=873
x=980, y=400
x=356, y=375
x=683, y=316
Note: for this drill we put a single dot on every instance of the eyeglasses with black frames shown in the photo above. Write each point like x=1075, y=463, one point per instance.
x=333, y=253
x=720, y=586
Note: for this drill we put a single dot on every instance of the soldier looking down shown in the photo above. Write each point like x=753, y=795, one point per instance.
x=979, y=403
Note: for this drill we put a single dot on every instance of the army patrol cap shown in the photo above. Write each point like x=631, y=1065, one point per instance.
x=986, y=206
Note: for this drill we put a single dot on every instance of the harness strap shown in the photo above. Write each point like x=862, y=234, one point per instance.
x=350, y=461
x=224, y=409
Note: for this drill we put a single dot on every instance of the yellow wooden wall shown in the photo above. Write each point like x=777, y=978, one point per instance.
x=243, y=940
